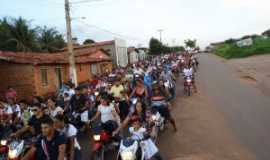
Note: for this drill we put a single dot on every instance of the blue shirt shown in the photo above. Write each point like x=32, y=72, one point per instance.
x=148, y=80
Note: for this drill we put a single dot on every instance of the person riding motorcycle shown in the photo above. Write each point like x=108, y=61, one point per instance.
x=139, y=111
x=164, y=110
x=138, y=133
x=140, y=91
x=109, y=117
x=188, y=72
x=73, y=149
x=50, y=146
x=53, y=109
x=34, y=123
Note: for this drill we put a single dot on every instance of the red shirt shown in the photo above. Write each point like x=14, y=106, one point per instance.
x=11, y=94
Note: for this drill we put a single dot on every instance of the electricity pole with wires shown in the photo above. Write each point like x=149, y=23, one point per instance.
x=160, y=34
x=71, y=57
x=160, y=39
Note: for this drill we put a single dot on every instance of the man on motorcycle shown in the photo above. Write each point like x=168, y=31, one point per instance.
x=73, y=151
x=164, y=110
x=34, y=123
x=50, y=146
x=168, y=79
x=188, y=72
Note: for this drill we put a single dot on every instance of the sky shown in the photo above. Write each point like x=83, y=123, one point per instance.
x=137, y=21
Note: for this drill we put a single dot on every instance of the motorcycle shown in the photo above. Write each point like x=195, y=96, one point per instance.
x=188, y=85
x=4, y=148
x=194, y=64
x=17, y=148
x=102, y=142
x=156, y=124
x=156, y=120
x=136, y=149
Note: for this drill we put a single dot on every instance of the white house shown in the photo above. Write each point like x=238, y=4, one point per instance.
x=142, y=54
x=133, y=55
x=121, y=56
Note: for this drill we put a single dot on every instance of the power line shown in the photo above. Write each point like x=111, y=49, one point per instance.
x=85, y=1
x=108, y=31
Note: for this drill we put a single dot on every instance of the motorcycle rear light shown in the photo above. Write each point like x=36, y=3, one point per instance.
x=3, y=149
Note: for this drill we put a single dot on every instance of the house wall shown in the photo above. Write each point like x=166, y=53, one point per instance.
x=83, y=72
x=111, y=50
x=26, y=79
x=18, y=76
x=52, y=85
x=133, y=57
x=106, y=66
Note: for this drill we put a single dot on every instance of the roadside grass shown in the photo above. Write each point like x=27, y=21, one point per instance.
x=231, y=50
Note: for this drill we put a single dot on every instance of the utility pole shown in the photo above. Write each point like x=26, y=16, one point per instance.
x=160, y=34
x=160, y=38
x=72, y=64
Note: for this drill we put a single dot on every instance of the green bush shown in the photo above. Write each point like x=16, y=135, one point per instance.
x=231, y=50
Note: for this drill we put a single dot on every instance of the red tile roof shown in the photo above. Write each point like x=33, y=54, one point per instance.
x=93, y=45
x=93, y=55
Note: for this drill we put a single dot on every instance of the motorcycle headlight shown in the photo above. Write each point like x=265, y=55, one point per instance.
x=127, y=155
x=154, y=117
x=189, y=80
x=12, y=154
x=96, y=93
x=3, y=142
x=96, y=137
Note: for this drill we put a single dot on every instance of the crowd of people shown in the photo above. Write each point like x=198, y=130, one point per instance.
x=120, y=100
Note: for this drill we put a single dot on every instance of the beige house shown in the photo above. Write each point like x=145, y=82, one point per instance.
x=116, y=48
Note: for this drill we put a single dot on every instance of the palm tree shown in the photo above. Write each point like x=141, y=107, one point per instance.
x=50, y=40
x=21, y=34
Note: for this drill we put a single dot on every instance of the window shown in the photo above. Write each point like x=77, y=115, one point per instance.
x=93, y=69
x=44, y=76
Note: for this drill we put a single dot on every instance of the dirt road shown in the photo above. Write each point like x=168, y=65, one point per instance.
x=226, y=120
x=244, y=106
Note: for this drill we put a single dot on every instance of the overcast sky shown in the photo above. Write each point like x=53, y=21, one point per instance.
x=138, y=20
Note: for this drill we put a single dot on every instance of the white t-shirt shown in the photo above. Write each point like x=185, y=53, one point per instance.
x=8, y=109
x=188, y=72
x=56, y=111
x=72, y=131
x=70, y=92
x=106, y=113
x=17, y=109
x=137, y=135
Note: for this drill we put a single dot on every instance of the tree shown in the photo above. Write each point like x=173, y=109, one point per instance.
x=18, y=35
x=88, y=41
x=266, y=33
x=50, y=40
x=156, y=46
x=190, y=43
